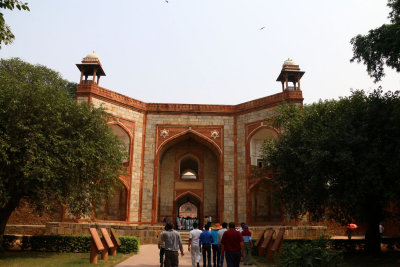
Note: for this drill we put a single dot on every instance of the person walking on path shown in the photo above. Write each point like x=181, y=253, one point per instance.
x=215, y=248
x=194, y=246
x=206, y=240
x=220, y=234
x=173, y=243
x=248, y=245
x=161, y=247
x=232, y=246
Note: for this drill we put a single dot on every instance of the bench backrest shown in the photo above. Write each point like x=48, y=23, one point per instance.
x=260, y=239
x=106, y=237
x=96, y=239
x=278, y=241
x=115, y=237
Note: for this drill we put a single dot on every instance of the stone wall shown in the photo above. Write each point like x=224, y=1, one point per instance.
x=210, y=185
x=166, y=182
x=148, y=234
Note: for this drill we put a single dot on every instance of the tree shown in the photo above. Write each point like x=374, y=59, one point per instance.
x=381, y=46
x=340, y=159
x=6, y=36
x=51, y=148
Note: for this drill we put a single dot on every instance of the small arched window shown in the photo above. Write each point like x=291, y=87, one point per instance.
x=189, y=168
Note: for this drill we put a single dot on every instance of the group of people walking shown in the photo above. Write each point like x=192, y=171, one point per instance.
x=185, y=223
x=220, y=243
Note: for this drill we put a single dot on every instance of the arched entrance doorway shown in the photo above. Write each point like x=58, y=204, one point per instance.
x=188, y=172
x=188, y=210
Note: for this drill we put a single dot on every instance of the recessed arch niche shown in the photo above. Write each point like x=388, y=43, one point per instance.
x=256, y=142
x=124, y=137
x=189, y=167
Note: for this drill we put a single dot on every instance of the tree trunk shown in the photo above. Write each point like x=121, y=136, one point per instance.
x=5, y=213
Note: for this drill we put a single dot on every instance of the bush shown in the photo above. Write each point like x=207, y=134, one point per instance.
x=58, y=243
x=309, y=254
x=129, y=244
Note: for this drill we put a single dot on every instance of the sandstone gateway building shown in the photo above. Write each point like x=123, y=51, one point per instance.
x=187, y=157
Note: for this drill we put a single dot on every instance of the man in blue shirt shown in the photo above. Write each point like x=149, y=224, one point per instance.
x=206, y=240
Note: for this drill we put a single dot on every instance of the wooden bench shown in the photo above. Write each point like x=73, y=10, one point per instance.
x=116, y=242
x=107, y=243
x=277, y=245
x=96, y=245
x=266, y=245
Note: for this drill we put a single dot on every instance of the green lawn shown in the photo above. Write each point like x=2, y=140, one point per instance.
x=33, y=259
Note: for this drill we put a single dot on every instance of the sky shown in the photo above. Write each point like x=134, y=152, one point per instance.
x=202, y=51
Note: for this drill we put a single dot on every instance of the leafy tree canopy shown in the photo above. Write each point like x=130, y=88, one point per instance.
x=51, y=148
x=381, y=46
x=340, y=158
x=6, y=36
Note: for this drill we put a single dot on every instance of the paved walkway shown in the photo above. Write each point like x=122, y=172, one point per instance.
x=148, y=256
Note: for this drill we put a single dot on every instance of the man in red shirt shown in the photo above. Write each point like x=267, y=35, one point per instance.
x=232, y=246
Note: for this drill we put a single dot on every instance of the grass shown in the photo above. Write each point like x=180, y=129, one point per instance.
x=36, y=259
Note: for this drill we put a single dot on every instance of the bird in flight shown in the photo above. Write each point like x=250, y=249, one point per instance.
x=262, y=28
x=166, y=1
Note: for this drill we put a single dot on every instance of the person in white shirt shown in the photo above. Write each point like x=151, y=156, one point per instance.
x=193, y=246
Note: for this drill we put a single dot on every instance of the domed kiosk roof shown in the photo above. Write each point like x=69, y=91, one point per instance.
x=89, y=63
x=291, y=70
x=93, y=55
x=289, y=62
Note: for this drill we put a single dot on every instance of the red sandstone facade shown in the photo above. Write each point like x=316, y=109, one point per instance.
x=207, y=155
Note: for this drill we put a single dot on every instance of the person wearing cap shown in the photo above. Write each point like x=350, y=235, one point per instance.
x=248, y=245
x=206, y=240
x=215, y=248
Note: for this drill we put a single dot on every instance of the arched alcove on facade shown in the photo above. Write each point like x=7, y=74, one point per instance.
x=124, y=137
x=256, y=142
x=265, y=204
x=113, y=208
x=262, y=203
x=189, y=167
x=195, y=157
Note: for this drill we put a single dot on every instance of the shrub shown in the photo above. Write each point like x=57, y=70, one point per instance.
x=129, y=244
x=58, y=243
x=309, y=254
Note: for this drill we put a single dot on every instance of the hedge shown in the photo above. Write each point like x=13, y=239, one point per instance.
x=58, y=243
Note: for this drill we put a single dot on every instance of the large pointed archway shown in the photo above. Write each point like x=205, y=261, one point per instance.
x=188, y=169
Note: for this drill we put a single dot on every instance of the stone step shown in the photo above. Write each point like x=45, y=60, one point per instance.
x=184, y=237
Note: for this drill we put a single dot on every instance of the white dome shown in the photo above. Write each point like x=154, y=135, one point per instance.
x=289, y=62
x=93, y=55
